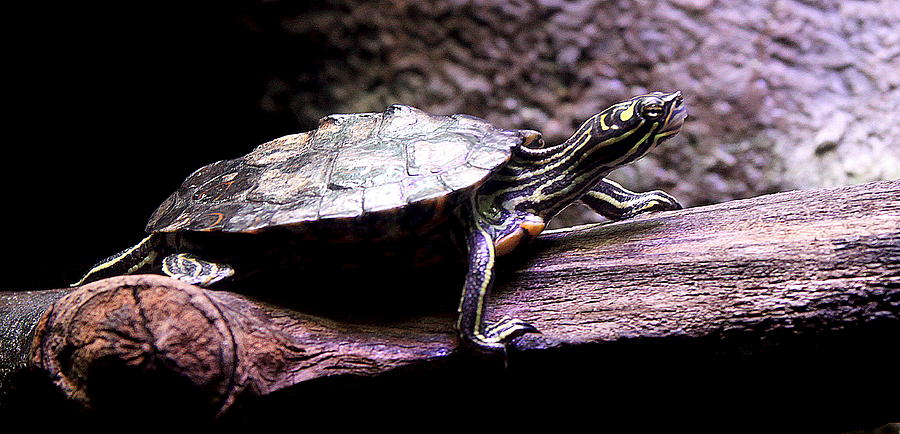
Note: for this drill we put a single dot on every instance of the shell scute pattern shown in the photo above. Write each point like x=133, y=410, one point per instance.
x=402, y=166
x=279, y=149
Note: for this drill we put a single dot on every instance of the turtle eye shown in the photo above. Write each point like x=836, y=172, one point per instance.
x=652, y=111
x=652, y=108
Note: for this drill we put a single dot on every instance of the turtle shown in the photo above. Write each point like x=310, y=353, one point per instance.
x=403, y=175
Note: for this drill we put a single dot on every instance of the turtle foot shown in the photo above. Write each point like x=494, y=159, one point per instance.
x=507, y=328
x=195, y=271
x=496, y=335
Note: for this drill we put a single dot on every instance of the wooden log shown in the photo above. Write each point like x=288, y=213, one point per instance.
x=739, y=276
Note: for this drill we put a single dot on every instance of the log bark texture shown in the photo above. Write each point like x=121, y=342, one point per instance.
x=745, y=275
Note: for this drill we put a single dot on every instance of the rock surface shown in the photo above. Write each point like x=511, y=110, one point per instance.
x=783, y=94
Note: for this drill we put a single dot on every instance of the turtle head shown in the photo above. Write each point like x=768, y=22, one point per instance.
x=626, y=131
x=541, y=181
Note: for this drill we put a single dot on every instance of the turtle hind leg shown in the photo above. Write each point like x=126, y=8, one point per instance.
x=195, y=271
x=134, y=259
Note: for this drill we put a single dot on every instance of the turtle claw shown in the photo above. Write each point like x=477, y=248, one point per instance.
x=507, y=328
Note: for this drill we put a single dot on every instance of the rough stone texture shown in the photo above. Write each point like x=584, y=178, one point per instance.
x=783, y=94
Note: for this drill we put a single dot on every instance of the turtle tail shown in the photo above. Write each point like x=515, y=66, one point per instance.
x=128, y=261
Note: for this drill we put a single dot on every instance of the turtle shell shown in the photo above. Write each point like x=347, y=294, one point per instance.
x=383, y=174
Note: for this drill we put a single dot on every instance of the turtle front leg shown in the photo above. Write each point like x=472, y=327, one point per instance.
x=615, y=202
x=195, y=271
x=482, y=336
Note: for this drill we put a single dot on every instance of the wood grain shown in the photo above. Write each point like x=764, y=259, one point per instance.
x=803, y=263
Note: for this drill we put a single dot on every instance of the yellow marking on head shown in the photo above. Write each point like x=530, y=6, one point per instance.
x=626, y=114
x=605, y=127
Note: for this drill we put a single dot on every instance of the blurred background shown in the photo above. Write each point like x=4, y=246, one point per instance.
x=114, y=104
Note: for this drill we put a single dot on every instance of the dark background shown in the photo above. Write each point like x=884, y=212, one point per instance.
x=113, y=105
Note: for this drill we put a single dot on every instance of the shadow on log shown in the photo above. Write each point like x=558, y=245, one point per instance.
x=786, y=304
